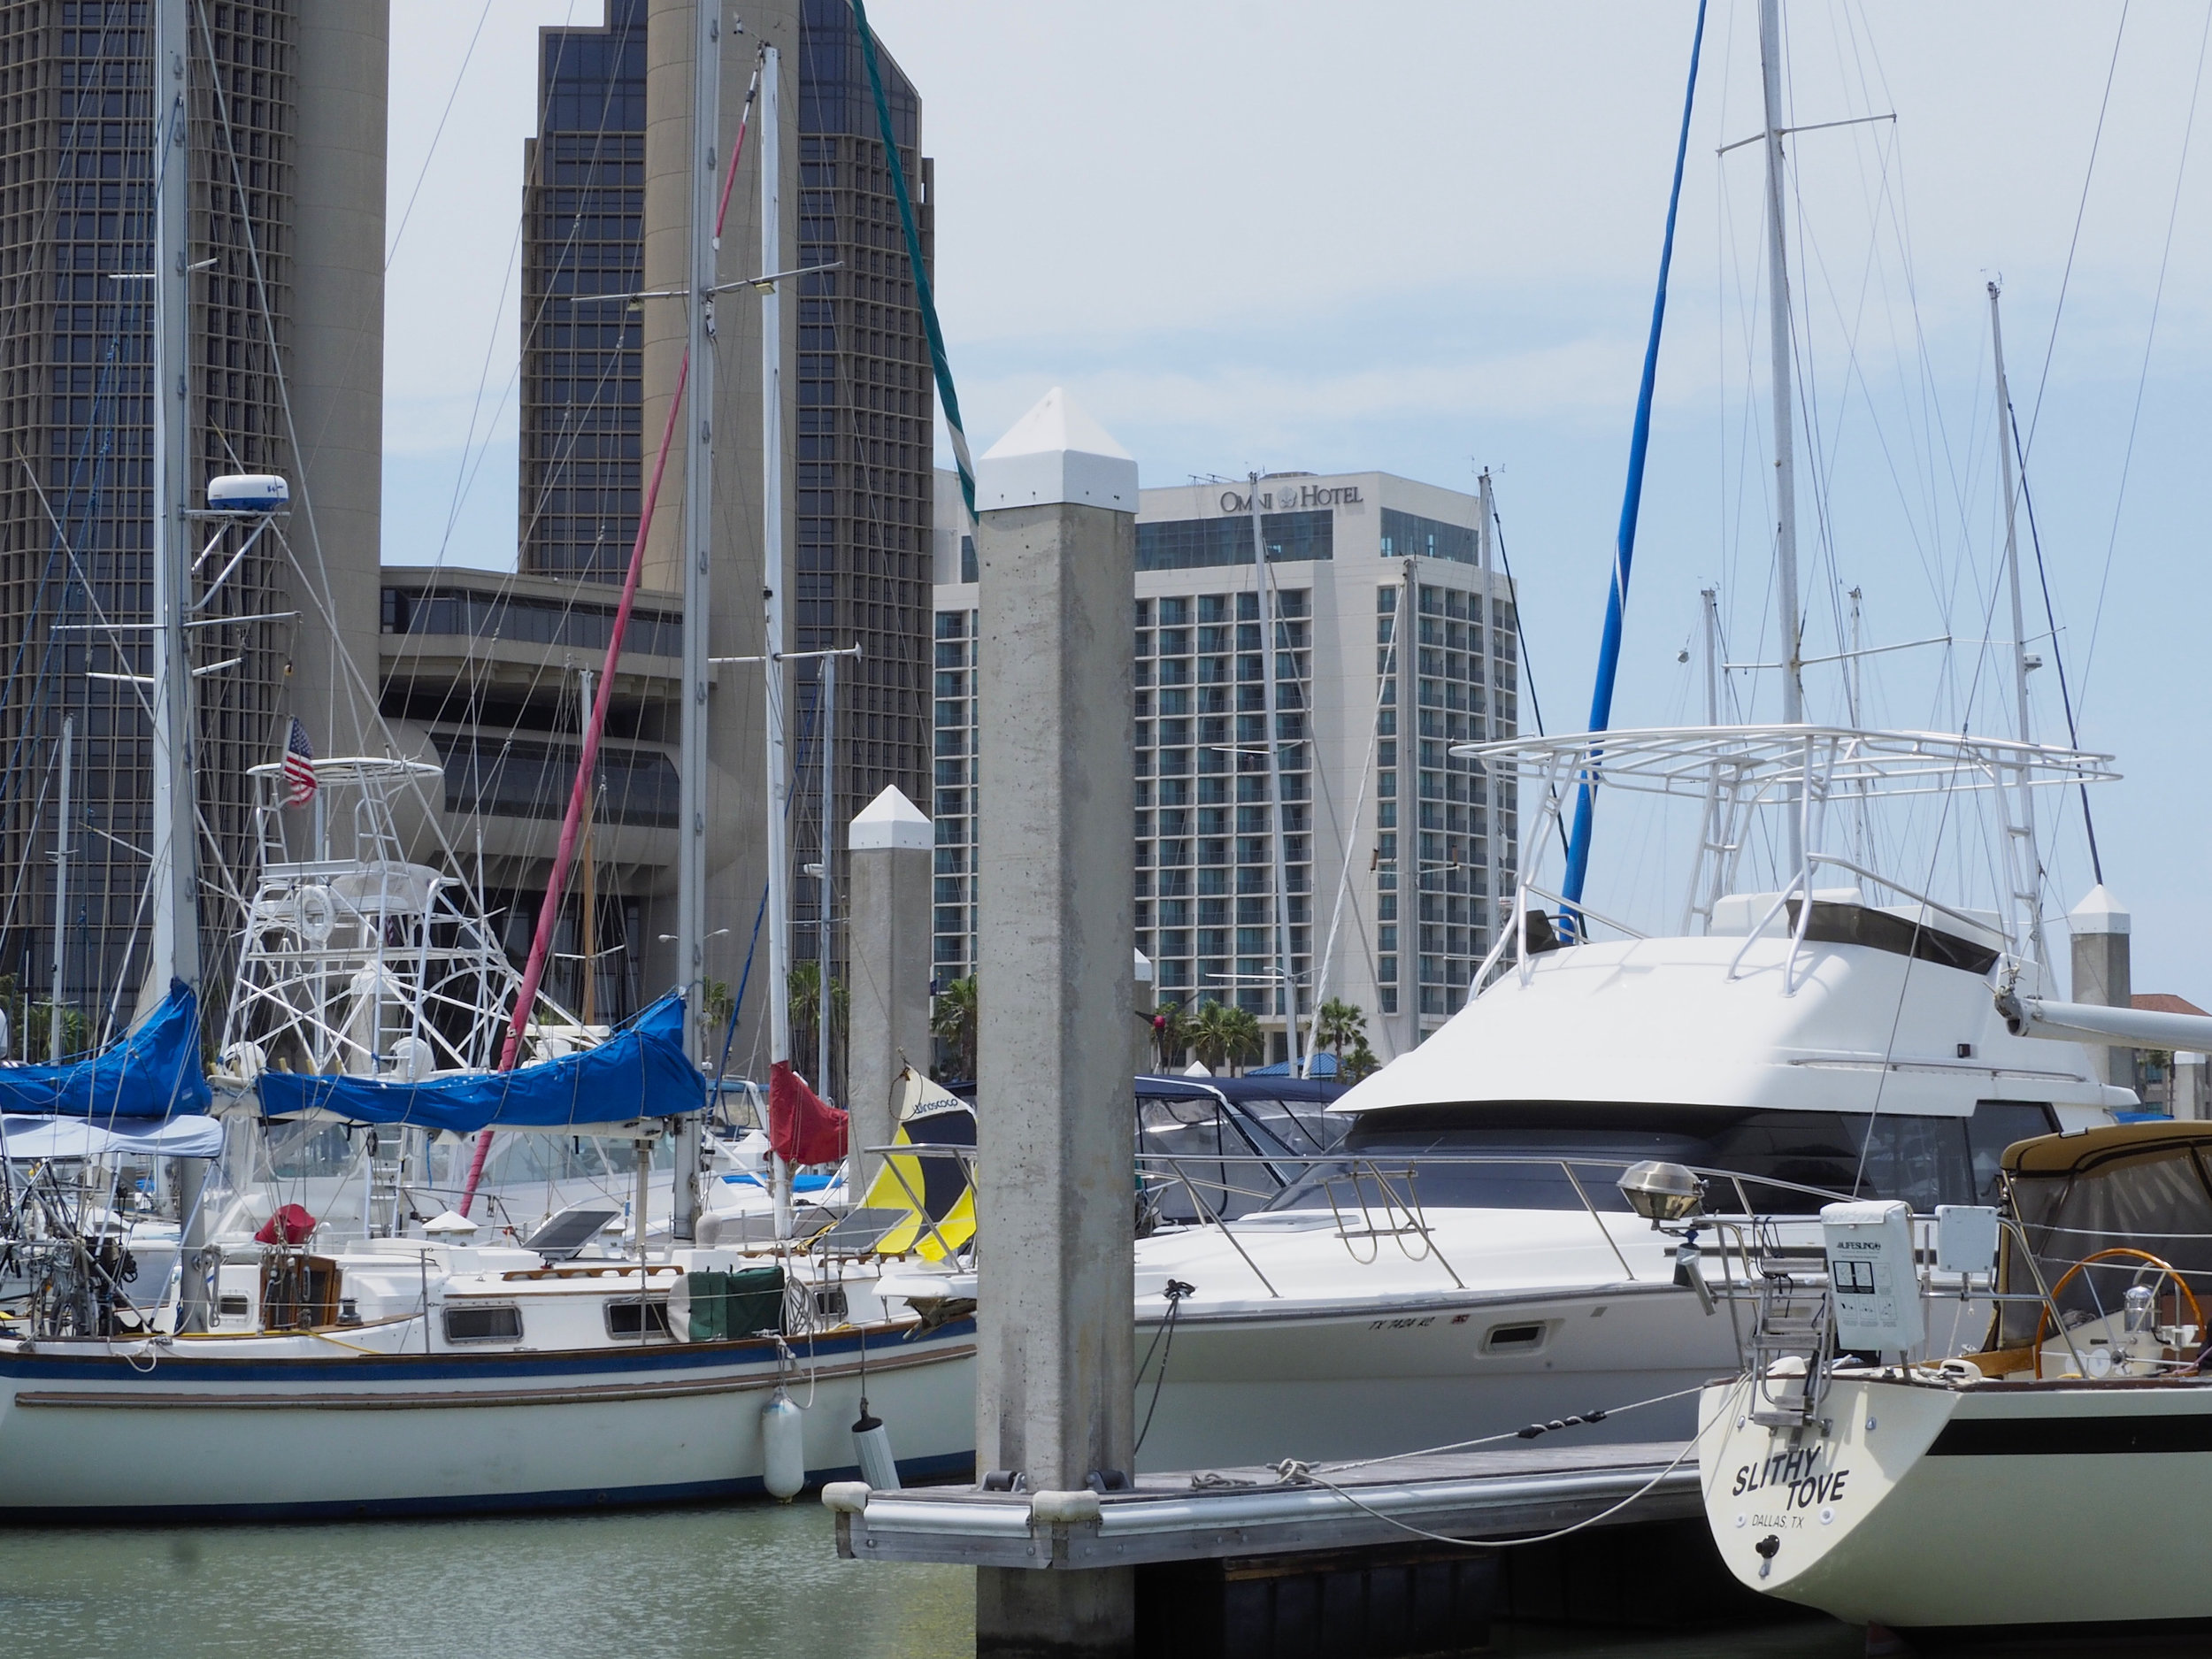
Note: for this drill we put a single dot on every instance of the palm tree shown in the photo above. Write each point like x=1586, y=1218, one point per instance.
x=1225, y=1036
x=1341, y=1024
x=952, y=1021
x=1246, y=1044
x=1170, y=1034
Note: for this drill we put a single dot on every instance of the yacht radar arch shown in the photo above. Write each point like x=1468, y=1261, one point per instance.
x=1734, y=772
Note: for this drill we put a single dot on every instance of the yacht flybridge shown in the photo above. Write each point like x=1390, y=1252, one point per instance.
x=1465, y=1264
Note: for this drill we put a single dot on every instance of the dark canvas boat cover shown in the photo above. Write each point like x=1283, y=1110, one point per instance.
x=640, y=1072
x=154, y=1071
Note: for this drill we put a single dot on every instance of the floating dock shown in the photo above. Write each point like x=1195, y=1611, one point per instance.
x=1217, y=1514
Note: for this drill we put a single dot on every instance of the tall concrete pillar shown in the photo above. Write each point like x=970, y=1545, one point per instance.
x=337, y=372
x=2100, y=926
x=736, y=790
x=1054, y=1400
x=888, y=947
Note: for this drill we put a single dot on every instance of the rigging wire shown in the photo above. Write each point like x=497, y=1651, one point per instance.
x=2089, y=174
x=2058, y=656
x=2142, y=380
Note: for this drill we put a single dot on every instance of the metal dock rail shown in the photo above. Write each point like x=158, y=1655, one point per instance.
x=1248, y=1512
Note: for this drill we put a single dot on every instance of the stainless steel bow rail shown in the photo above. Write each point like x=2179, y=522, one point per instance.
x=1496, y=1495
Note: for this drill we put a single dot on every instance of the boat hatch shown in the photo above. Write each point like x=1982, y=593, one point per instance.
x=1524, y=1336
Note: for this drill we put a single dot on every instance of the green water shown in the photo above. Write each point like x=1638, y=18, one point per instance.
x=747, y=1581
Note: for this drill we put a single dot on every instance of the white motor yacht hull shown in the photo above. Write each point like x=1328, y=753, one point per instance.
x=228, y=1428
x=1932, y=1504
x=1558, y=1313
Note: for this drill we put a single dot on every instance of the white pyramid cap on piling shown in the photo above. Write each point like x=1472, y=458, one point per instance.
x=1057, y=453
x=890, y=821
x=2099, y=913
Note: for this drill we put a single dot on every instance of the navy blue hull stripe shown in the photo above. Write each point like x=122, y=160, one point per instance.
x=490, y=1503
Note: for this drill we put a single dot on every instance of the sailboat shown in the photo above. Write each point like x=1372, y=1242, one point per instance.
x=442, y=1363
x=1475, y=1260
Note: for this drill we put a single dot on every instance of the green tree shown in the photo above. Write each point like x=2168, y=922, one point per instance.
x=1341, y=1024
x=952, y=1021
x=1350, y=1068
x=1225, y=1036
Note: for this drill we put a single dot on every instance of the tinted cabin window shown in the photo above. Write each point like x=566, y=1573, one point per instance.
x=483, y=1324
x=1925, y=1161
x=633, y=1318
x=1996, y=1125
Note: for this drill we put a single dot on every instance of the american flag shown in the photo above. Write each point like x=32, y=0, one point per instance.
x=299, y=767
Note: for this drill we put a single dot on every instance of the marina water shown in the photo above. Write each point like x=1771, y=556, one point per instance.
x=749, y=1580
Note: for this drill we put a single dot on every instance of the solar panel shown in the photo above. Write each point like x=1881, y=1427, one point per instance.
x=565, y=1235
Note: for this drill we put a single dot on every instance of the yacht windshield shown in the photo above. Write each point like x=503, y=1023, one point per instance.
x=1534, y=1155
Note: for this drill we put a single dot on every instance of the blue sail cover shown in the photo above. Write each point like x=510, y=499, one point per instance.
x=642, y=1073
x=153, y=1072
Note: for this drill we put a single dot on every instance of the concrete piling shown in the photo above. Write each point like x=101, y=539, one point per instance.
x=1056, y=547
x=2100, y=926
x=889, y=841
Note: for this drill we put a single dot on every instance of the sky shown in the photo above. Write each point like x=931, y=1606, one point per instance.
x=1423, y=238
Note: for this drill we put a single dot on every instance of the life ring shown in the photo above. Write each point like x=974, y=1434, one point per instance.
x=314, y=914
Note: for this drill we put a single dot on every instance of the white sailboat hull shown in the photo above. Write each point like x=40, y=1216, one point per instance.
x=1989, y=1505
x=96, y=1430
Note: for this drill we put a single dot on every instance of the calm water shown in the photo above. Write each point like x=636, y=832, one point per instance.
x=745, y=1580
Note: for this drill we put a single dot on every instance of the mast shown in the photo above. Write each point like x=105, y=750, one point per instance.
x=1784, y=457
x=691, y=815
x=771, y=589
x=1286, y=990
x=2027, y=885
x=1494, y=867
x=175, y=945
x=828, y=734
x=61, y=891
x=589, y=1009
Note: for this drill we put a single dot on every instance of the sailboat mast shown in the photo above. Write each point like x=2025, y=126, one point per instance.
x=175, y=898
x=772, y=558
x=61, y=889
x=1286, y=987
x=2029, y=884
x=1785, y=455
x=691, y=845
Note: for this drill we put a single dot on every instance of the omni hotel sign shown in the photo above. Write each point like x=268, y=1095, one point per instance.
x=1293, y=498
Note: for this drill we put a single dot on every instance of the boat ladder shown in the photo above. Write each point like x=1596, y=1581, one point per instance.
x=1789, y=1347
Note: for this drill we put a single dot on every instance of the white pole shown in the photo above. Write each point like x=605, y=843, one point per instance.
x=771, y=587
x=61, y=891
x=691, y=816
x=1785, y=457
x=1287, y=989
x=2027, y=885
x=1493, y=797
x=176, y=931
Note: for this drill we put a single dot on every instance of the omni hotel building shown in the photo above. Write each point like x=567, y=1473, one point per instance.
x=1384, y=588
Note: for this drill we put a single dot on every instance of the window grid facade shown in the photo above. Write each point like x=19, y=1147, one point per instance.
x=1205, y=817
x=75, y=539
x=584, y=207
x=865, y=488
x=954, y=801
x=1432, y=806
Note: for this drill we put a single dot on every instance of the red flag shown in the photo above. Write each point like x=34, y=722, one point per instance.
x=802, y=1128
